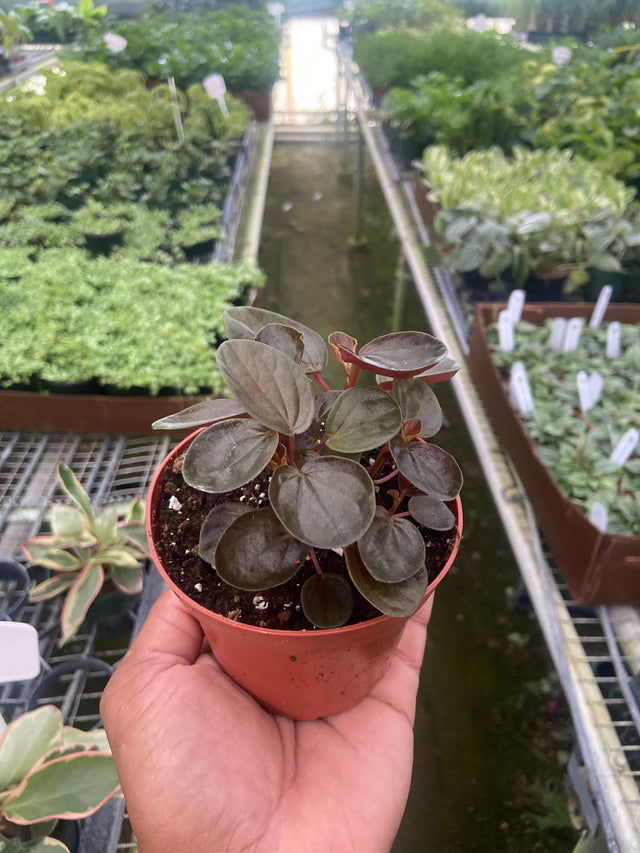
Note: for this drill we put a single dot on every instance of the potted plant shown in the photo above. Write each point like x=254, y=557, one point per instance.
x=304, y=528
x=545, y=215
x=48, y=772
x=85, y=553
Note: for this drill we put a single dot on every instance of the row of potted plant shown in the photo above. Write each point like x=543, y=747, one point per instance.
x=577, y=446
x=241, y=44
x=542, y=214
x=127, y=230
x=585, y=104
x=80, y=130
x=123, y=324
x=394, y=57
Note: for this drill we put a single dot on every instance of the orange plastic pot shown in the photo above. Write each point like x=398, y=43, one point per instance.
x=299, y=674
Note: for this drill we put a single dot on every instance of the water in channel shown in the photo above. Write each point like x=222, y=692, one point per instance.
x=492, y=728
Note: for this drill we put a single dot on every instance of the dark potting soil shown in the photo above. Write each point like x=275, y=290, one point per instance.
x=177, y=539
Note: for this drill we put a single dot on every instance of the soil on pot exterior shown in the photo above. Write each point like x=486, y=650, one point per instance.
x=177, y=537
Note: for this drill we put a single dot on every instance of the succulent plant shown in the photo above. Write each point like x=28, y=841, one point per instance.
x=328, y=453
x=49, y=771
x=84, y=551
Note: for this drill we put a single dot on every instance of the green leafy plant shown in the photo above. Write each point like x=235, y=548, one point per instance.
x=371, y=15
x=241, y=44
x=537, y=212
x=69, y=317
x=49, y=771
x=395, y=57
x=575, y=446
x=84, y=552
x=328, y=455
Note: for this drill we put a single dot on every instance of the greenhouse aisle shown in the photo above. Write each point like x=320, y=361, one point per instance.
x=492, y=729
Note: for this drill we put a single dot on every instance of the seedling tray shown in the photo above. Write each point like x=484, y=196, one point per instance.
x=598, y=568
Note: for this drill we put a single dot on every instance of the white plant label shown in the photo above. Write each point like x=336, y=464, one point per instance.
x=505, y=330
x=572, y=334
x=19, y=652
x=516, y=304
x=520, y=390
x=596, y=384
x=584, y=392
x=613, y=339
x=625, y=447
x=599, y=517
x=601, y=306
x=216, y=88
x=114, y=42
x=558, y=331
x=589, y=389
x=561, y=55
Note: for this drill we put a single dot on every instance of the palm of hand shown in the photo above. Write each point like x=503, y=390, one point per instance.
x=205, y=769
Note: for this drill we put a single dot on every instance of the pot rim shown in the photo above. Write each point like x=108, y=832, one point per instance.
x=280, y=632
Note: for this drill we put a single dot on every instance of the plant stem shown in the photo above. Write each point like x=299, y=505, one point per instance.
x=353, y=379
x=314, y=560
x=321, y=382
x=386, y=478
x=291, y=449
x=380, y=459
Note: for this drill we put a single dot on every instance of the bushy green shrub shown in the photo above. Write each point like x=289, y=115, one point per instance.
x=445, y=110
x=372, y=15
x=395, y=57
x=65, y=139
x=241, y=44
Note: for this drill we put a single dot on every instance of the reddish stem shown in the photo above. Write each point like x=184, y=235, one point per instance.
x=386, y=478
x=314, y=560
x=401, y=515
x=321, y=382
x=396, y=503
x=380, y=459
x=291, y=449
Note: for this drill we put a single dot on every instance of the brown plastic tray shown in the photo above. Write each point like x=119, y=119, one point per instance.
x=86, y=413
x=598, y=568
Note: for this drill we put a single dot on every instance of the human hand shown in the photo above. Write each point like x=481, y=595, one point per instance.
x=205, y=769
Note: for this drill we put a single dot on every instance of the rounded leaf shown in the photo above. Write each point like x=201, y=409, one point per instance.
x=207, y=412
x=361, y=419
x=228, y=454
x=245, y=322
x=256, y=552
x=272, y=388
x=431, y=512
x=392, y=549
x=393, y=599
x=215, y=525
x=417, y=400
x=329, y=502
x=402, y=353
x=327, y=600
x=284, y=338
x=443, y=370
x=430, y=468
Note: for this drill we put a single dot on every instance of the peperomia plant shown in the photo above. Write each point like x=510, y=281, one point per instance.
x=349, y=469
x=49, y=771
x=84, y=551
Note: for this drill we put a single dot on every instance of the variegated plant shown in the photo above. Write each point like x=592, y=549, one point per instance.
x=49, y=771
x=328, y=453
x=85, y=550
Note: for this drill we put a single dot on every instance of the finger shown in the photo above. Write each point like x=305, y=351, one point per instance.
x=170, y=635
